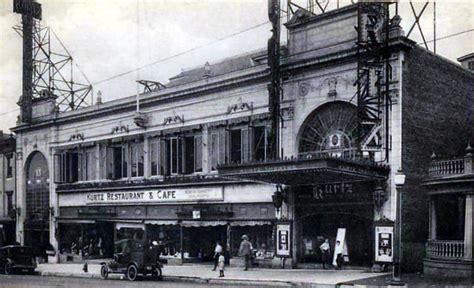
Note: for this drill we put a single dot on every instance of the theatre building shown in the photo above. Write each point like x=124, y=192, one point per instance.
x=193, y=166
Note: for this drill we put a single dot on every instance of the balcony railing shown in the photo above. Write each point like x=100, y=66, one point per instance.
x=447, y=167
x=445, y=249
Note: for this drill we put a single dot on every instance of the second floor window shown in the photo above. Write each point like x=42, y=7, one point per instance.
x=117, y=162
x=137, y=160
x=9, y=166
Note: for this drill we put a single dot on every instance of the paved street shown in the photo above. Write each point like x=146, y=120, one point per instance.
x=20, y=281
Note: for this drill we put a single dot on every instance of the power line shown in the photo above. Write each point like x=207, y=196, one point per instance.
x=181, y=53
x=450, y=35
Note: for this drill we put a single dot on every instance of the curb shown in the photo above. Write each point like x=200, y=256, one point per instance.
x=198, y=280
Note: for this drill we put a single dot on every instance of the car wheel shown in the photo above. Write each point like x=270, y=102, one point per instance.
x=7, y=268
x=132, y=272
x=157, y=273
x=104, y=272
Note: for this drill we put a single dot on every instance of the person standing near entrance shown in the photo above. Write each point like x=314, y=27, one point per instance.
x=246, y=251
x=325, y=252
x=338, y=250
x=217, y=253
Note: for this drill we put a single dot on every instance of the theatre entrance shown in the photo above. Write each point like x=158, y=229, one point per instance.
x=321, y=212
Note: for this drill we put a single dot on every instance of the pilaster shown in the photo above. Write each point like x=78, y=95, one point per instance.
x=468, y=228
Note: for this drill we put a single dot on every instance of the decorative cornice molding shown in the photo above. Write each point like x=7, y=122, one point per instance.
x=77, y=136
x=173, y=119
x=239, y=107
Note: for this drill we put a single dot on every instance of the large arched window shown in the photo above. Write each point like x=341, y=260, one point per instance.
x=37, y=187
x=330, y=129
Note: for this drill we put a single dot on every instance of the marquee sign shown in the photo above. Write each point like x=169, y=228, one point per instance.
x=156, y=196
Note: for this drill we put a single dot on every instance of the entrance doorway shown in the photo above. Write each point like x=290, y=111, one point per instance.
x=200, y=242
x=318, y=227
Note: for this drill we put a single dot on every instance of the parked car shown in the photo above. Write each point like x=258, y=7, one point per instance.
x=133, y=257
x=17, y=258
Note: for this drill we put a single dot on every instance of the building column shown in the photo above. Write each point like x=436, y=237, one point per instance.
x=468, y=228
x=432, y=219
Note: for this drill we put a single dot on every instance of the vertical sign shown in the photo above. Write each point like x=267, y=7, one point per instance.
x=283, y=243
x=384, y=244
x=29, y=9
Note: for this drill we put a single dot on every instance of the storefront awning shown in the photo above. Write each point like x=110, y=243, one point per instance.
x=161, y=222
x=203, y=223
x=250, y=223
x=306, y=171
x=75, y=221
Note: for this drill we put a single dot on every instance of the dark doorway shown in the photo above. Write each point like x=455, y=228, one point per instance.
x=359, y=234
x=200, y=242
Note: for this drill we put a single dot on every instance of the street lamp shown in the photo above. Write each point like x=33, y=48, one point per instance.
x=399, y=180
x=278, y=197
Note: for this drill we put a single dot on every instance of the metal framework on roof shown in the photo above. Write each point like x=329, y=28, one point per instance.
x=51, y=67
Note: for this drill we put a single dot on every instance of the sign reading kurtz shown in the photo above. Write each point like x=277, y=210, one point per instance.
x=27, y=7
x=160, y=195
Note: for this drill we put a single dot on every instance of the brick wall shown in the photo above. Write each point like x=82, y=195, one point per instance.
x=437, y=117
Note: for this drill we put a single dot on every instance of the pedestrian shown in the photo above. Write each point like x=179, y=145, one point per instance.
x=221, y=264
x=339, y=257
x=325, y=252
x=217, y=253
x=246, y=251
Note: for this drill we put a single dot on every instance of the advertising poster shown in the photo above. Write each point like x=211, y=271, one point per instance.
x=283, y=240
x=383, y=243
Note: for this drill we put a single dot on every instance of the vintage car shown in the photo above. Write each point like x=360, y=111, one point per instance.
x=16, y=258
x=133, y=257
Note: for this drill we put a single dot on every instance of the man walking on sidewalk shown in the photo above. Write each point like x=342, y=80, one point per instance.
x=246, y=251
x=217, y=253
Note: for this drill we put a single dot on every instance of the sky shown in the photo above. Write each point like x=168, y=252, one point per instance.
x=111, y=37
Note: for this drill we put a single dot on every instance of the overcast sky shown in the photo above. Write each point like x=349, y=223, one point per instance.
x=102, y=37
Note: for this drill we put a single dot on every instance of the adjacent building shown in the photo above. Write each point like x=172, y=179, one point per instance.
x=192, y=167
x=7, y=188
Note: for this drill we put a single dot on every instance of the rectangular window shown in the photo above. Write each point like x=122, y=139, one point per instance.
x=198, y=153
x=236, y=146
x=117, y=162
x=91, y=167
x=9, y=166
x=125, y=157
x=137, y=160
x=154, y=158
x=188, y=155
x=245, y=145
x=68, y=167
x=165, y=157
x=214, y=151
x=260, y=143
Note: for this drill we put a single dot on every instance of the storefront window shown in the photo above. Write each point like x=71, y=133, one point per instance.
x=86, y=240
x=260, y=236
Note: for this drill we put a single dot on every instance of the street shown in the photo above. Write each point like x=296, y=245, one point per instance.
x=19, y=281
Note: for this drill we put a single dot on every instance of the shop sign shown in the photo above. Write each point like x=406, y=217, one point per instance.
x=384, y=244
x=196, y=214
x=156, y=196
x=283, y=243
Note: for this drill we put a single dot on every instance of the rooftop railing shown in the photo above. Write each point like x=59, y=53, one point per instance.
x=453, y=167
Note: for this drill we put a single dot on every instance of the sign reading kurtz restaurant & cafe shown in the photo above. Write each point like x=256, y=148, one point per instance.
x=158, y=195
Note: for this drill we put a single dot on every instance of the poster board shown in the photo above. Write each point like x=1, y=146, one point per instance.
x=384, y=244
x=283, y=243
x=341, y=237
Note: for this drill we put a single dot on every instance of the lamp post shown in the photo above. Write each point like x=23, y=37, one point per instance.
x=399, y=180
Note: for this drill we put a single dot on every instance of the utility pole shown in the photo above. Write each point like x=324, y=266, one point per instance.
x=274, y=86
x=28, y=9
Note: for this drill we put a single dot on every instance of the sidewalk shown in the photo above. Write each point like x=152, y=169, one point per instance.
x=258, y=277
x=233, y=275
